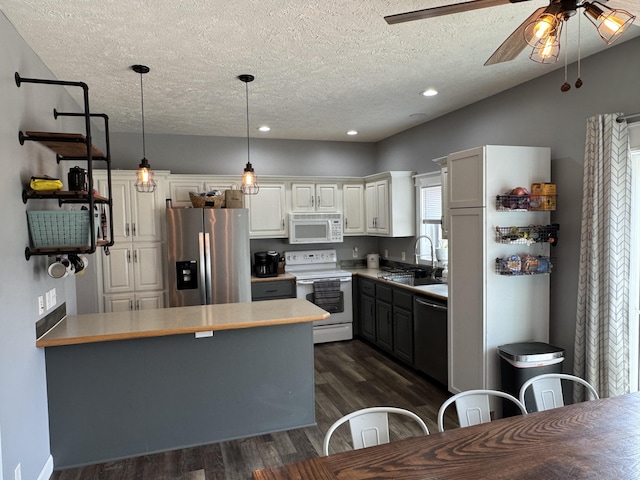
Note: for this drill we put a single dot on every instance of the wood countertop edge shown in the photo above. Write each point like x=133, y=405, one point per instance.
x=78, y=340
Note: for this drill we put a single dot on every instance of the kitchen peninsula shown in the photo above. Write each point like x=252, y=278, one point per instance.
x=128, y=384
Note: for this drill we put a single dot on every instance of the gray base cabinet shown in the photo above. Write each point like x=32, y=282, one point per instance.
x=273, y=290
x=386, y=318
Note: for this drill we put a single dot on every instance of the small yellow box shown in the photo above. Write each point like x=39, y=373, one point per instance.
x=543, y=188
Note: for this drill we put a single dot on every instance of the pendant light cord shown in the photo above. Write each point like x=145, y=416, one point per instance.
x=144, y=153
x=246, y=89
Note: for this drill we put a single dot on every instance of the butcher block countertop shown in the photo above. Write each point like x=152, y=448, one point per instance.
x=103, y=327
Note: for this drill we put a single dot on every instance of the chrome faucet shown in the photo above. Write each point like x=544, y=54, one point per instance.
x=418, y=255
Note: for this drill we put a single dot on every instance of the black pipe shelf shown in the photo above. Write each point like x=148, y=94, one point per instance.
x=74, y=146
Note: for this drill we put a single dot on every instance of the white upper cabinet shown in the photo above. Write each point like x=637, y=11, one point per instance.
x=353, y=208
x=136, y=216
x=390, y=204
x=267, y=214
x=314, y=197
x=466, y=172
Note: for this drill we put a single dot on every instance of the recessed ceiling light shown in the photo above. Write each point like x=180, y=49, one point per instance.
x=264, y=128
x=430, y=92
x=352, y=132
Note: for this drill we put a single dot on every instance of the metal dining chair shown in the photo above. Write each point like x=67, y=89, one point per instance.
x=547, y=390
x=473, y=406
x=370, y=426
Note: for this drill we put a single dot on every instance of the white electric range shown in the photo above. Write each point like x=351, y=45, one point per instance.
x=317, y=275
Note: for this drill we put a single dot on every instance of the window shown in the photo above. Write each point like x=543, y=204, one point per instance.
x=429, y=215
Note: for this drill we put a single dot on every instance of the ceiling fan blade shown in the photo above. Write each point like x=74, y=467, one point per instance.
x=445, y=10
x=515, y=43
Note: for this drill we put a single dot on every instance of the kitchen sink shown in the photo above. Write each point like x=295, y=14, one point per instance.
x=410, y=280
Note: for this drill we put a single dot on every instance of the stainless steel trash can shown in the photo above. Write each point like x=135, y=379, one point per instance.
x=521, y=361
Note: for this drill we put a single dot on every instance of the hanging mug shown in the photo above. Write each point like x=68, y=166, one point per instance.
x=61, y=268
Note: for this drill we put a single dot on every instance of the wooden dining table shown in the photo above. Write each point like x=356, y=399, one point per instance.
x=599, y=439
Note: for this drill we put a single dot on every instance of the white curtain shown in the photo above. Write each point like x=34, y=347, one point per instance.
x=602, y=323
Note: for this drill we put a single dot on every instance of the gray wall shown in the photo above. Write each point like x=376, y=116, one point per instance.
x=538, y=114
x=23, y=399
x=228, y=156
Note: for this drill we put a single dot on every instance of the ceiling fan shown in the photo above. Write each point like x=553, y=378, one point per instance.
x=541, y=30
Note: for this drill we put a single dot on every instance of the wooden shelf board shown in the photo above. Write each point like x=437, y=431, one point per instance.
x=65, y=144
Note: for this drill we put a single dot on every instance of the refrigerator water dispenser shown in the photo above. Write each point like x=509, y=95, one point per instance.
x=187, y=275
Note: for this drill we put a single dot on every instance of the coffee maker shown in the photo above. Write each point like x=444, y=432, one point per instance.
x=266, y=264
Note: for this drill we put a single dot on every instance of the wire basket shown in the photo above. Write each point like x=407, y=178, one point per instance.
x=59, y=228
x=206, y=201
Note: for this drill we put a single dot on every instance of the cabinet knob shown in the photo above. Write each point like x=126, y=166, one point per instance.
x=133, y=228
x=128, y=256
x=126, y=229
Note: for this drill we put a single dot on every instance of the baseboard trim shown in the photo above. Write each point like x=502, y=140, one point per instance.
x=47, y=470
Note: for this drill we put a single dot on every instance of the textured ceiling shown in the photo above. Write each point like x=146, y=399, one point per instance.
x=322, y=67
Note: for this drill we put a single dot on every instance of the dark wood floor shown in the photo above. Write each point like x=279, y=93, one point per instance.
x=348, y=376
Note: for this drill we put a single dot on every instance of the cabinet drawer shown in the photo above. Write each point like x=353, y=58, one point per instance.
x=403, y=299
x=367, y=288
x=273, y=290
x=384, y=293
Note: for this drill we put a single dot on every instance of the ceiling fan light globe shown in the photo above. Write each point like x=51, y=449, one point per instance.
x=611, y=24
x=544, y=26
x=546, y=51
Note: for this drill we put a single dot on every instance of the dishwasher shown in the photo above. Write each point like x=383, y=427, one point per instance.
x=430, y=337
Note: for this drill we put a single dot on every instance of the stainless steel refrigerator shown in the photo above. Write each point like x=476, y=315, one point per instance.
x=208, y=256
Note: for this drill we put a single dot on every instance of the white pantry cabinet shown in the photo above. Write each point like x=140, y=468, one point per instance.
x=126, y=302
x=134, y=266
x=487, y=309
x=389, y=204
x=314, y=197
x=353, y=208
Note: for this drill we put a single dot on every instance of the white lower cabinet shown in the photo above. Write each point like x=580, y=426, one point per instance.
x=126, y=302
x=135, y=267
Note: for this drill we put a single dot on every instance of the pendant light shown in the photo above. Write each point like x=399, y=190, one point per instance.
x=249, y=179
x=144, y=182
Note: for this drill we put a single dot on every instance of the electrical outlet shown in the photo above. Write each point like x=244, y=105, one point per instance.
x=386, y=253
x=404, y=256
x=355, y=252
x=47, y=298
x=40, y=305
x=54, y=298
x=17, y=474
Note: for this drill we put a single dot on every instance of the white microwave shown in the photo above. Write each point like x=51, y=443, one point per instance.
x=315, y=228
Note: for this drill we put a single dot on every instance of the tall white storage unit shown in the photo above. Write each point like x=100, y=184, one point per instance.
x=487, y=309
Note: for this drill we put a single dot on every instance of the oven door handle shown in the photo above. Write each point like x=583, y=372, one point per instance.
x=311, y=282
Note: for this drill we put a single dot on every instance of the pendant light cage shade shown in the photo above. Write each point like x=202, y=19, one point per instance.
x=144, y=175
x=541, y=28
x=249, y=185
x=144, y=178
x=547, y=49
x=249, y=181
x=610, y=24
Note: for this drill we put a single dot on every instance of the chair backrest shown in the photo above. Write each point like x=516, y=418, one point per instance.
x=547, y=389
x=370, y=426
x=473, y=406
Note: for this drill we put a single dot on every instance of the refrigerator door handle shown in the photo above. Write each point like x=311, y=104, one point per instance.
x=203, y=283
x=207, y=253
